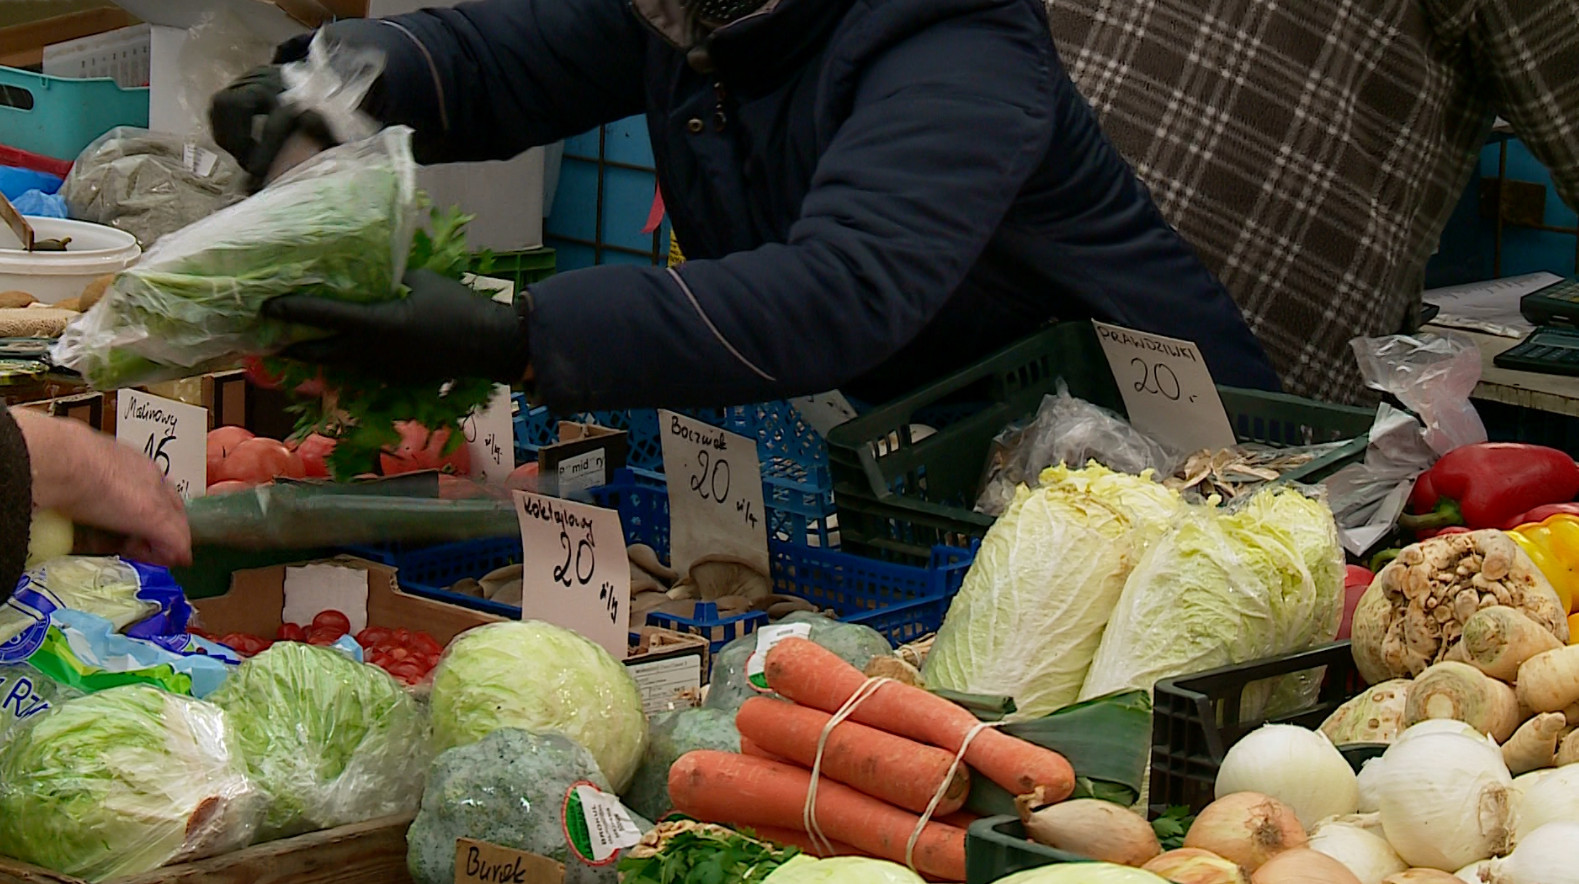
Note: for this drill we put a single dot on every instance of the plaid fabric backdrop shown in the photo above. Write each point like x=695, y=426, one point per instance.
x=1313, y=150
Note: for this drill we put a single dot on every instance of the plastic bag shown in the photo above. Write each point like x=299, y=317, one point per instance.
x=150, y=184
x=26, y=692
x=141, y=600
x=122, y=782
x=218, y=48
x=338, y=226
x=1069, y=431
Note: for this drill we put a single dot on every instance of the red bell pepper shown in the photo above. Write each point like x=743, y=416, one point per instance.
x=1490, y=485
x=1542, y=513
x=1356, y=580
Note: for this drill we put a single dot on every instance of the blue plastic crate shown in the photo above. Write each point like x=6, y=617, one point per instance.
x=903, y=602
x=59, y=116
x=796, y=485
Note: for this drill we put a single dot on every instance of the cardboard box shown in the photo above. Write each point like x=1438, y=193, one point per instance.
x=256, y=601
x=373, y=852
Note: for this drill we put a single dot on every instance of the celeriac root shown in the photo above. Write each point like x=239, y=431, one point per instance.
x=1460, y=691
x=1549, y=681
x=1534, y=744
x=1498, y=639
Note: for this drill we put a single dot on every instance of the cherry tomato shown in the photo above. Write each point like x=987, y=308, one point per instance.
x=421, y=449
x=221, y=442
x=425, y=643
x=332, y=619
x=372, y=636
x=291, y=632
x=407, y=672
x=258, y=460
x=401, y=636
x=400, y=654
x=313, y=451
x=320, y=638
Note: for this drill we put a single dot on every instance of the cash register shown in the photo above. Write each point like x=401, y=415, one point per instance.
x=1553, y=348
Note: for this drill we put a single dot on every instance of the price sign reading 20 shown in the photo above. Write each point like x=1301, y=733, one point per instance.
x=715, y=493
x=563, y=579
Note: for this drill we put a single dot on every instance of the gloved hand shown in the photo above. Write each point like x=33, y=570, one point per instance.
x=442, y=330
x=235, y=112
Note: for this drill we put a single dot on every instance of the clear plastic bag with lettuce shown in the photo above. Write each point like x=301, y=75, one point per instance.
x=1224, y=587
x=1030, y=614
x=328, y=740
x=26, y=692
x=122, y=782
x=337, y=226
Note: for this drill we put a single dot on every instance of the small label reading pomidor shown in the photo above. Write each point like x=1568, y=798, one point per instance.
x=767, y=637
x=597, y=826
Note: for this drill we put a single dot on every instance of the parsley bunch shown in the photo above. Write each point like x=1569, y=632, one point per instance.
x=686, y=852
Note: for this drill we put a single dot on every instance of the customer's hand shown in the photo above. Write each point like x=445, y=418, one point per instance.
x=99, y=483
x=442, y=330
x=251, y=124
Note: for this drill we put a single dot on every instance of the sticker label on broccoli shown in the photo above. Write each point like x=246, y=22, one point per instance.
x=715, y=494
x=767, y=637
x=478, y=862
x=1167, y=388
x=575, y=573
x=597, y=826
x=172, y=434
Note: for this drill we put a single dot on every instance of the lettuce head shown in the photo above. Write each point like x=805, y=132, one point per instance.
x=1033, y=607
x=842, y=870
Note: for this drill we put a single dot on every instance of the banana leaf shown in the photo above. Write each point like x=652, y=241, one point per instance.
x=1107, y=741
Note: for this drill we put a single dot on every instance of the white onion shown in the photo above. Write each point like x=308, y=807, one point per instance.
x=1369, y=783
x=1445, y=800
x=1298, y=767
x=1364, y=853
x=1438, y=726
x=1551, y=798
x=1548, y=855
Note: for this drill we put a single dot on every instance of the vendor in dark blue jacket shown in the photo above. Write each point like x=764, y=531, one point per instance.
x=870, y=193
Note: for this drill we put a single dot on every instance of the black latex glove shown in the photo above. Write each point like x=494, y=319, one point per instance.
x=251, y=124
x=442, y=330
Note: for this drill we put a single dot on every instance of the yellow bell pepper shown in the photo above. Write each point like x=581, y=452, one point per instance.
x=1573, y=629
x=1553, y=545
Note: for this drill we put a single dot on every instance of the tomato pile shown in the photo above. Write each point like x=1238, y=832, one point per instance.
x=237, y=459
x=408, y=655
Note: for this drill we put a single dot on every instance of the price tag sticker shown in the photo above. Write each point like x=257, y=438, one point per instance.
x=1167, y=389
x=479, y=862
x=173, y=434
x=490, y=439
x=197, y=160
x=576, y=573
x=715, y=493
x=582, y=472
x=767, y=637
x=597, y=825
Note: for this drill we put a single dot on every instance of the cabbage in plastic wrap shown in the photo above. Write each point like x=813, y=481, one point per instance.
x=670, y=735
x=329, y=741
x=124, y=781
x=854, y=643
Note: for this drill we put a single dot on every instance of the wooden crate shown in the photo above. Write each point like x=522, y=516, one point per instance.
x=373, y=852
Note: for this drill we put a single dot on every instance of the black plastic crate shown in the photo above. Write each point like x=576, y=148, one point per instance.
x=1196, y=718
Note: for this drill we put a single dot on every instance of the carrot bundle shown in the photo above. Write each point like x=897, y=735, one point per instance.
x=750, y=747
x=812, y=676
x=723, y=787
x=798, y=839
x=899, y=771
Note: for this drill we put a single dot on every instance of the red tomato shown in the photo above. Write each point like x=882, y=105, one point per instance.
x=458, y=488
x=426, y=644
x=420, y=449
x=261, y=377
x=256, y=461
x=332, y=620
x=401, y=635
x=313, y=451
x=291, y=632
x=221, y=442
x=372, y=636
x=407, y=672
x=400, y=654
x=321, y=637
x=228, y=486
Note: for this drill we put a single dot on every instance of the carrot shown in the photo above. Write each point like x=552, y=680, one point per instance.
x=902, y=772
x=722, y=787
x=751, y=747
x=809, y=675
x=797, y=838
x=959, y=819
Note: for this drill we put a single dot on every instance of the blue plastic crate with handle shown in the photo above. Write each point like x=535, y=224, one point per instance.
x=797, y=488
x=903, y=602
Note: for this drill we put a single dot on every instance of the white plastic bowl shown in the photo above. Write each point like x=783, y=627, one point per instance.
x=52, y=277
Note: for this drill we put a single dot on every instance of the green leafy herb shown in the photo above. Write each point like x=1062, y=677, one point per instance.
x=694, y=853
x=1172, y=826
x=361, y=412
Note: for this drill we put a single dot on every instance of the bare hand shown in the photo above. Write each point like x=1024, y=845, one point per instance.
x=99, y=483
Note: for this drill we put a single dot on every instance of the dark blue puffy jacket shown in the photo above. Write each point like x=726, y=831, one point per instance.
x=869, y=193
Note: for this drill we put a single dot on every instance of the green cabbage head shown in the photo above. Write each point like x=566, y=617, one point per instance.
x=842, y=870
x=124, y=781
x=1083, y=873
x=539, y=678
x=1028, y=619
x=330, y=741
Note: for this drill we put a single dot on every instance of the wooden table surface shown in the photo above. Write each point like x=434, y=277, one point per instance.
x=1553, y=393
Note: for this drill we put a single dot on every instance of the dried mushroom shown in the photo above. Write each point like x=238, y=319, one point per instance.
x=713, y=577
x=1413, y=614
x=642, y=556
x=1230, y=472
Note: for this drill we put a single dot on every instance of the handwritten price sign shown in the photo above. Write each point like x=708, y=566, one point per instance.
x=715, y=493
x=172, y=434
x=575, y=574
x=490, y=438
x=1167, y=388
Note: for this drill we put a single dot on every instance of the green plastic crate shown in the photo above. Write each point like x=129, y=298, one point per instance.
x=897, y=495
x=59, y=116
x=996, y=847
x=521, y=268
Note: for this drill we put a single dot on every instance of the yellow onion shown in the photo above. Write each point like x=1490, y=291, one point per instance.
x=1190, y=865
x=1302, y=865
x=1246, y=828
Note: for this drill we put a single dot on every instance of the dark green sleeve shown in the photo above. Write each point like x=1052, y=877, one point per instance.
x=16, y=502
